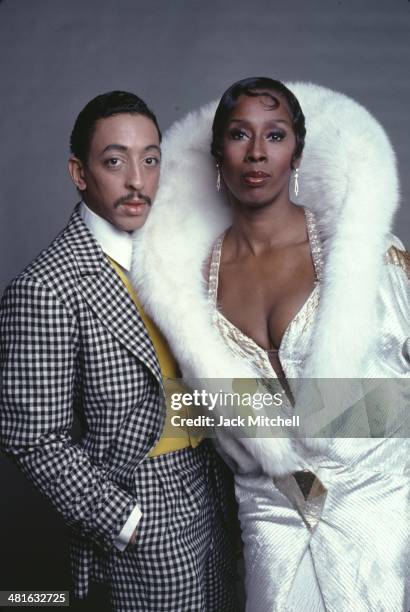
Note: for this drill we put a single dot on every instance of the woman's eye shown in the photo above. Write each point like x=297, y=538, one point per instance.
x=152, y=161
x=276, y=135
x=237, y=134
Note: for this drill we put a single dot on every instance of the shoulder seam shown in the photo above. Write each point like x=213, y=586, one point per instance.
x=28, y=280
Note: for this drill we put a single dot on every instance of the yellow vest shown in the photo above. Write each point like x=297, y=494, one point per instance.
x=169, y=370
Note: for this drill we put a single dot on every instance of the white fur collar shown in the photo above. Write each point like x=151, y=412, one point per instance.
x=347, y=177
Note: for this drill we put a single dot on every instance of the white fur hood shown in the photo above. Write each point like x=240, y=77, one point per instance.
x=347, y=177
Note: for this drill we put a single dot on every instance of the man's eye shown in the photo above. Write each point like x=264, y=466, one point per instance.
x=112, y=162
x=276, y=135
x=237, y=134
x=152, y=161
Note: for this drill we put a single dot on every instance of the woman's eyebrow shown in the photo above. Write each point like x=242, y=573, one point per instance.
x=246, y=121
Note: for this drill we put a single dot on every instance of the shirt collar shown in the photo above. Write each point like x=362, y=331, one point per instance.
x=114, y=242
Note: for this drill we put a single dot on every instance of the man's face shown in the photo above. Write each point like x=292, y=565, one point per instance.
x=120, y=177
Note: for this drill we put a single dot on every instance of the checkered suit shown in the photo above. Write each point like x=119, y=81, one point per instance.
x=182, y=560
x=72, y=337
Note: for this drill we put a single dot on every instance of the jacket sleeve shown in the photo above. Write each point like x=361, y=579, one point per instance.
x=39, y=346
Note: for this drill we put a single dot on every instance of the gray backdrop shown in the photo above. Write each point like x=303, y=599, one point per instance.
x=56, y=55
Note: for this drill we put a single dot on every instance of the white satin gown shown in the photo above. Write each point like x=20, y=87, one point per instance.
x=344, y=544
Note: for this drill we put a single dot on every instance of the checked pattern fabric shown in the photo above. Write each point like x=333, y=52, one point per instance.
x=71, y=340
x=183, y=559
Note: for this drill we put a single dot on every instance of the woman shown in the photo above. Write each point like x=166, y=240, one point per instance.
x=316, y=291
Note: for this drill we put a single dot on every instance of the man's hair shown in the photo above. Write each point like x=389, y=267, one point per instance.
x=105, y=105
x=256, y=86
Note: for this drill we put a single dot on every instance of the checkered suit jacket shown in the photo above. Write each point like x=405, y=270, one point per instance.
x=71, y=339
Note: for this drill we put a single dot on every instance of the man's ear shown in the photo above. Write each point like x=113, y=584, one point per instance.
x=76, y=170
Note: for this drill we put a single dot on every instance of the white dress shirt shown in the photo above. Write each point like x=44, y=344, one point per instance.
x=118, y=245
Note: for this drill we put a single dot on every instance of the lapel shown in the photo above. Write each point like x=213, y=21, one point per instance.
x=106, y=295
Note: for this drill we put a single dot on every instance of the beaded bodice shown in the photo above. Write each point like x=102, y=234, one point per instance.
x=244, y=346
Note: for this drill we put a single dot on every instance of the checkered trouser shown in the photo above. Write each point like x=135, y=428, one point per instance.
x=182, y=560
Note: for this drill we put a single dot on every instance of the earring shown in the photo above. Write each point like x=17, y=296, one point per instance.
x=296, y=186
x=218, y=178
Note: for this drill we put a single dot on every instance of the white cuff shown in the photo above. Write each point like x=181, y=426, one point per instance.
x=123, y=538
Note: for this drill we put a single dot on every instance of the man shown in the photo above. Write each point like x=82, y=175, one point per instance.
x=75, y=337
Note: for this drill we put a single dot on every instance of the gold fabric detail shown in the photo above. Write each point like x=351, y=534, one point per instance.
x=306, y=493
x=399, y=258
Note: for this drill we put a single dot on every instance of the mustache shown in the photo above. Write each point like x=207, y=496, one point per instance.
x=130, y=197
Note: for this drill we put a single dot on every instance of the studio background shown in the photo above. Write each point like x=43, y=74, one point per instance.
x=57, y=55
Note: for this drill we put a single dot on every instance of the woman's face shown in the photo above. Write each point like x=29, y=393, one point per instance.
x=258, y=146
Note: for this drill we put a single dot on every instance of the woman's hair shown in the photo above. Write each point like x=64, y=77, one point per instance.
x=256, y=86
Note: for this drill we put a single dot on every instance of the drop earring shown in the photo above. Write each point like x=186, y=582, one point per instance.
x=218, y=178
x=296, y=186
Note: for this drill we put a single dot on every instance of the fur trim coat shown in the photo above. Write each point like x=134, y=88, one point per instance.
x=348, y=179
